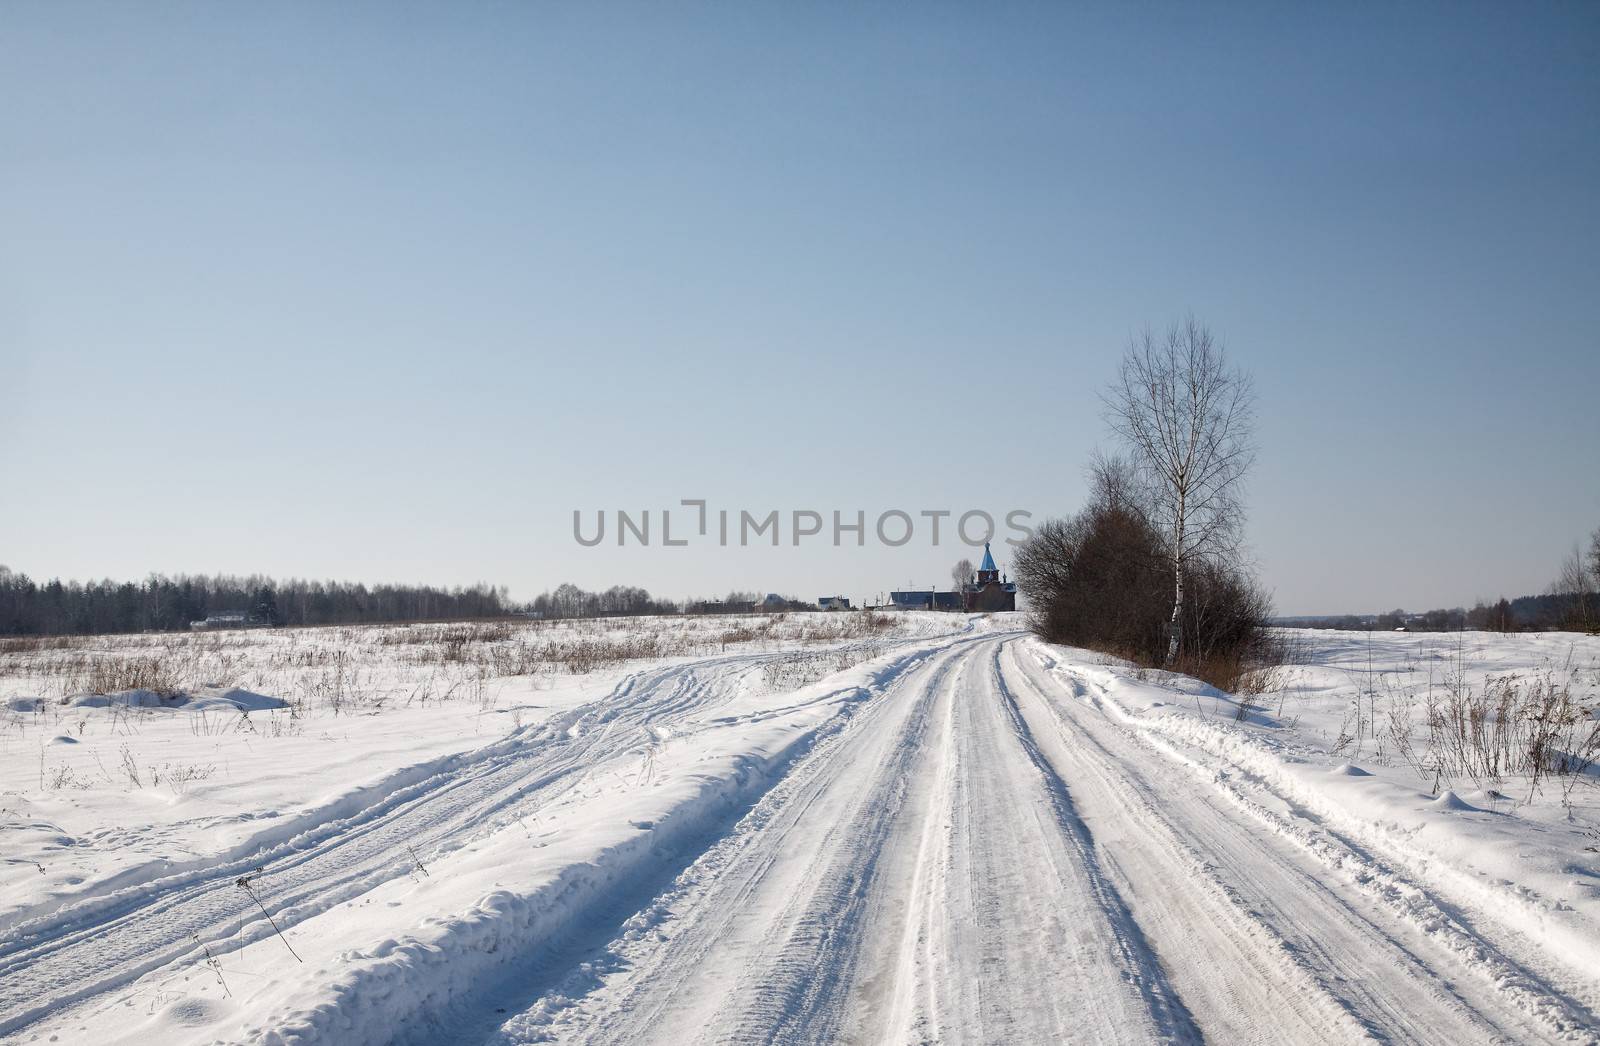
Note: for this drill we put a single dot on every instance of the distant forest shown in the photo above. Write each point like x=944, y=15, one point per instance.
x=1546, y=613
x=618, y=601
x=173, y=604
x=628, y=601
x=163, y=604
x=1570, y=604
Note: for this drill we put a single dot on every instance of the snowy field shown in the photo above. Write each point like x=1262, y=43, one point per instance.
x=809, y=828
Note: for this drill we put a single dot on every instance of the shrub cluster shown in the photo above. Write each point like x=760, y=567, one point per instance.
x=1103, y=579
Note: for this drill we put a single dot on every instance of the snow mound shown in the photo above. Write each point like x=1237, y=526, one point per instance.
x=125, y=698
x=1448, y=800
x=25, y=704
x=206, y=698
x=233, y=698
x=1351, y=770
x=194, y=1013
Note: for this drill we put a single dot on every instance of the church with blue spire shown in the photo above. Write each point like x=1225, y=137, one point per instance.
x=989, y=589
x=986, y=591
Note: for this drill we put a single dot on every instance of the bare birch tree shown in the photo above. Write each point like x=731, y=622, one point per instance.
x=962, y=573
x=1594, y=558
x=1572, y=584
x=1188, y=419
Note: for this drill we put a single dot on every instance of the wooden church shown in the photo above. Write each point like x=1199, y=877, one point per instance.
x=989, y=589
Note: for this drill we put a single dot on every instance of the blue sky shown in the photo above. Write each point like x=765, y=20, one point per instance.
x=386, y=292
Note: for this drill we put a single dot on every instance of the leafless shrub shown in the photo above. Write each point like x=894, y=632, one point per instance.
x=868, y=623
x=32, y=644
x=213, y=964
x=284, y=724
x=1400, y=731
x=208, y=723
x=796, y=670
x=1527, y=726
x=1278, y=657
x=745, y=633
x=178, y=776
x=593, y=655
x=335, y=686
x=803, y=667
x=130, y=767
x=113, y=675
x=1102, y=580
x=457, y=643
x=62, y=777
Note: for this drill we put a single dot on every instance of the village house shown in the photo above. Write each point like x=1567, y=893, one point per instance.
x=224, y=619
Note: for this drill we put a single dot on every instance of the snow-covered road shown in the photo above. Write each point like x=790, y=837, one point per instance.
x=985, y=857
x=963, y=840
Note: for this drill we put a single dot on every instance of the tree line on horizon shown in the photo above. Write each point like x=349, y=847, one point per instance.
x=569, y=601
x=171, y=604
x=1570, y=604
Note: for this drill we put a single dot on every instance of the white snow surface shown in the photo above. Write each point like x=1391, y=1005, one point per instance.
x=813, y=828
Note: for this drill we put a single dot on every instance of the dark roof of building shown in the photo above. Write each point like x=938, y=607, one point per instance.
x=923, y=597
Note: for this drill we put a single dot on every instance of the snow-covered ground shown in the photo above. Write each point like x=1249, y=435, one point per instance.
x=930, y=828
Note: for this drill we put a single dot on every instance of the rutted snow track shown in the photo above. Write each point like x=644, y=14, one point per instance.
x=982, y=857
x=959, y=842
x=106, y=942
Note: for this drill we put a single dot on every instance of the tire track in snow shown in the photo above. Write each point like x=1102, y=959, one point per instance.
x=1327, y=916
x=976, y=858
x=572, y=958
x=722, y=954
x=1130, y=953
x=79, y=952
x=862, y=900
x=796, y=990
